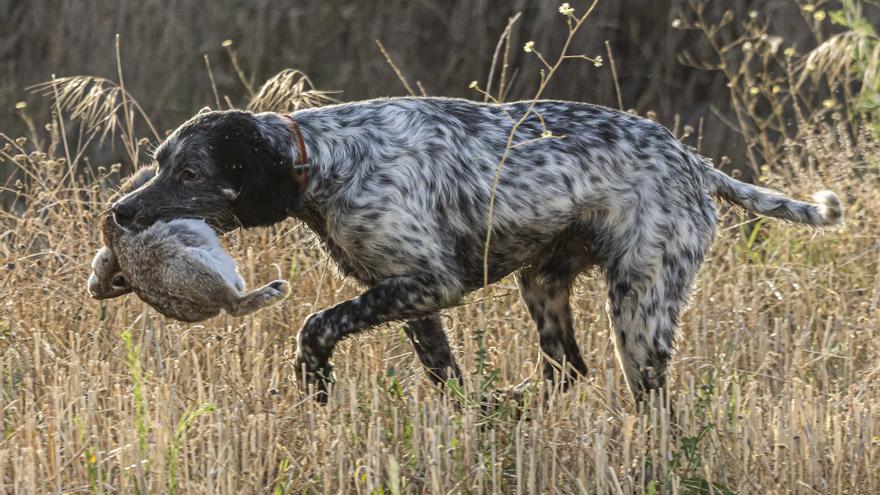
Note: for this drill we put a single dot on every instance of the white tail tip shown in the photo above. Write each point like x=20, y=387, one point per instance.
x=830, y=207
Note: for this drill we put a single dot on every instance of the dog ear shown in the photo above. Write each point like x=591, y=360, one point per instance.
x=269, y=190
x=254, y=157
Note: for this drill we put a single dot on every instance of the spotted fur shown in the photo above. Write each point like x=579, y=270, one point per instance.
x=399, y=195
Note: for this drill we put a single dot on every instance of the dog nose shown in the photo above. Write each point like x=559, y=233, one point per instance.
x=123, y=213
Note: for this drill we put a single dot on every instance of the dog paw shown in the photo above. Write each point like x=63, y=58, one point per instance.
x=314, y=379
x=312, y=364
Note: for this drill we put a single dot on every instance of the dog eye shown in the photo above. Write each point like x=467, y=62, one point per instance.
x=190, y=174
x=118, y=281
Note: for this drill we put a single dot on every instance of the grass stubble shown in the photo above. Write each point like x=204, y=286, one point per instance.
x=774, y=386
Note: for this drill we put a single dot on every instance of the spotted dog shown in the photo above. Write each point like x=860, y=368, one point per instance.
x=398, y=191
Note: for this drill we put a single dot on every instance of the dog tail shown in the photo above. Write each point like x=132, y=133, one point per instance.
x=826, y=211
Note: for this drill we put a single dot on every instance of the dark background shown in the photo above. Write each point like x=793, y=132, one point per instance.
x=444, y=44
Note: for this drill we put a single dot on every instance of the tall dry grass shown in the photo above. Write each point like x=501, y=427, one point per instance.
x=443, y=44
x=773, y=389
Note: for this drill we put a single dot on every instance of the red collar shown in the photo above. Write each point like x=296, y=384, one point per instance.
x=302, y=167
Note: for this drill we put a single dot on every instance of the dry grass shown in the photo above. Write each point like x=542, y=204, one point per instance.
x=774, y=387
x=442, y=44
x=776, y=375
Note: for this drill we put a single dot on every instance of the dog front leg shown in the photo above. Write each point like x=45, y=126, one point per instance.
x=399, y=298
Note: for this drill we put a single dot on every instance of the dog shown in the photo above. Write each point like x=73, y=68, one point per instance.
x=398, y=191
x=178, y=267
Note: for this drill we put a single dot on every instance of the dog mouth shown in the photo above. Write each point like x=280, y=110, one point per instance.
x=223, y=222
x=214, y=211
x=138, y=225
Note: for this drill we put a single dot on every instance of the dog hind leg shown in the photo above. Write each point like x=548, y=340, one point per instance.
x=548, y=305
x=644, y=307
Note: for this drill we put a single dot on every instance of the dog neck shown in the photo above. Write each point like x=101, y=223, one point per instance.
x=301, y=164
x=307, y=212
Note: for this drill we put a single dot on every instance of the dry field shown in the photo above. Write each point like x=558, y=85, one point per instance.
x=774, y=388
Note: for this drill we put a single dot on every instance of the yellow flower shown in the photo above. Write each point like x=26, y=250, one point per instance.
x=789, y=52
x=776, y=89
x=747, y=46
x=754, y=91
x=598, y=61
x=474, y=85
x=566, y=9
x=546, y=134
x=819, y=15
x=227, y=42
x=529, y=47
x=753, y=14
x=20, y=105
x=808, y=8
x=676, y=23
x=829, y=103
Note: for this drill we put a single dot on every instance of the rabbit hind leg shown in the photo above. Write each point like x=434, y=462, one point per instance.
x=259, y=298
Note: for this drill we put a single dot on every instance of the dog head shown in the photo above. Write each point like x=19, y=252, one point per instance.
x=229, y=168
